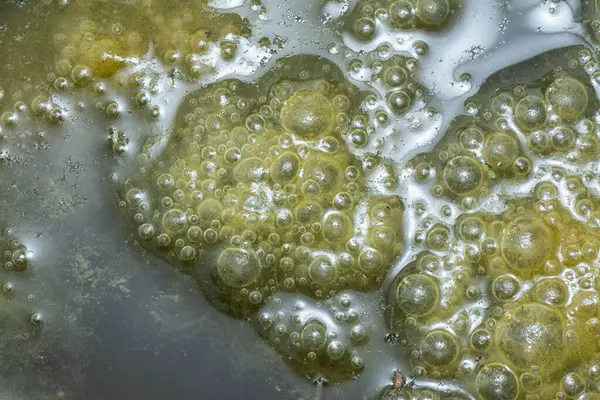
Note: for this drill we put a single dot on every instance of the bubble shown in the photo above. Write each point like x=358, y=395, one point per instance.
x=285, y=168
x=439, y=348
x=358, y=334
x=163, y=240
x=422, y=171
x=194, y=234
x=57, y=115
x=471, y=229
x=500, y=151
x=471, y=138
x=41, y=105
x=552, y=292
x=531, y=382
x=335, y=350
x=421, y=48
x=141, y=99
x=308, y=114
x=357, y=363
x=314, y=335
x=382, y=237
x=338, y=228
x=237, y=268
x=365, y=28
x=255, y=123
x=563, y=138
x=417, y=295
x=250, y=170
x=81, y=75
x=531, y=113
x=19, y=260
x=399, y=101
x=526, y=244
x=325, y=171
x=568, y=98
x=322, y=271
x=286, y=264
x=539, y=142
x=255, y=297
x=438, y=237
x=402, y=13
x=433, y=12
x=588, y=145
x=573, y=384
x=36, y=319
x=175, y=221
x=395, y=76
x=359, y=138
x=146, y=231
x=342, y=102
x=187, y=253
x=210, y=210
x=506, y=287
x=343, y=201
x=154, y=112
x=521, y=166
x=502, y=102
x=497, y=382
x=61, y=84
x=481, y=338
x=8, y=287
x=233, y=155
x=284, y=219
x=463, y=175
x=113, y=110
x=308, y=212
x=532, y=334
x=370, y=261
x=228, y=49
x=165, y=182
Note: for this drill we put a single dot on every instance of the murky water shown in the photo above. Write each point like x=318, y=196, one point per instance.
x=391, y=199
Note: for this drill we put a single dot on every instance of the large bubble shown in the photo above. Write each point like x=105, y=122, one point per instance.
x=497, y=382
x=237, y=268
x=568, y=97
x=527, y=243
x=308, y=114
x=532, y=335
x=417, y=294
x=439, y=348
x=463, y=175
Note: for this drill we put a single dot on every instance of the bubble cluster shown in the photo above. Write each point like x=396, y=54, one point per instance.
x=417, y=296
x=14, y=254
x=396, y=78
x=275, y=195
x=102, y=45
x=257, y=193
x=592, y=12
x=469, y=160
x=91, y=49
x=370, y=16
x=552, y=117
x=16, y=277
x=509, y=308
x=323, y=342
x=262, y=193
x=103, y=52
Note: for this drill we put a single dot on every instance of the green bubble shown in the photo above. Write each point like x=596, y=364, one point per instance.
x=237, y=268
